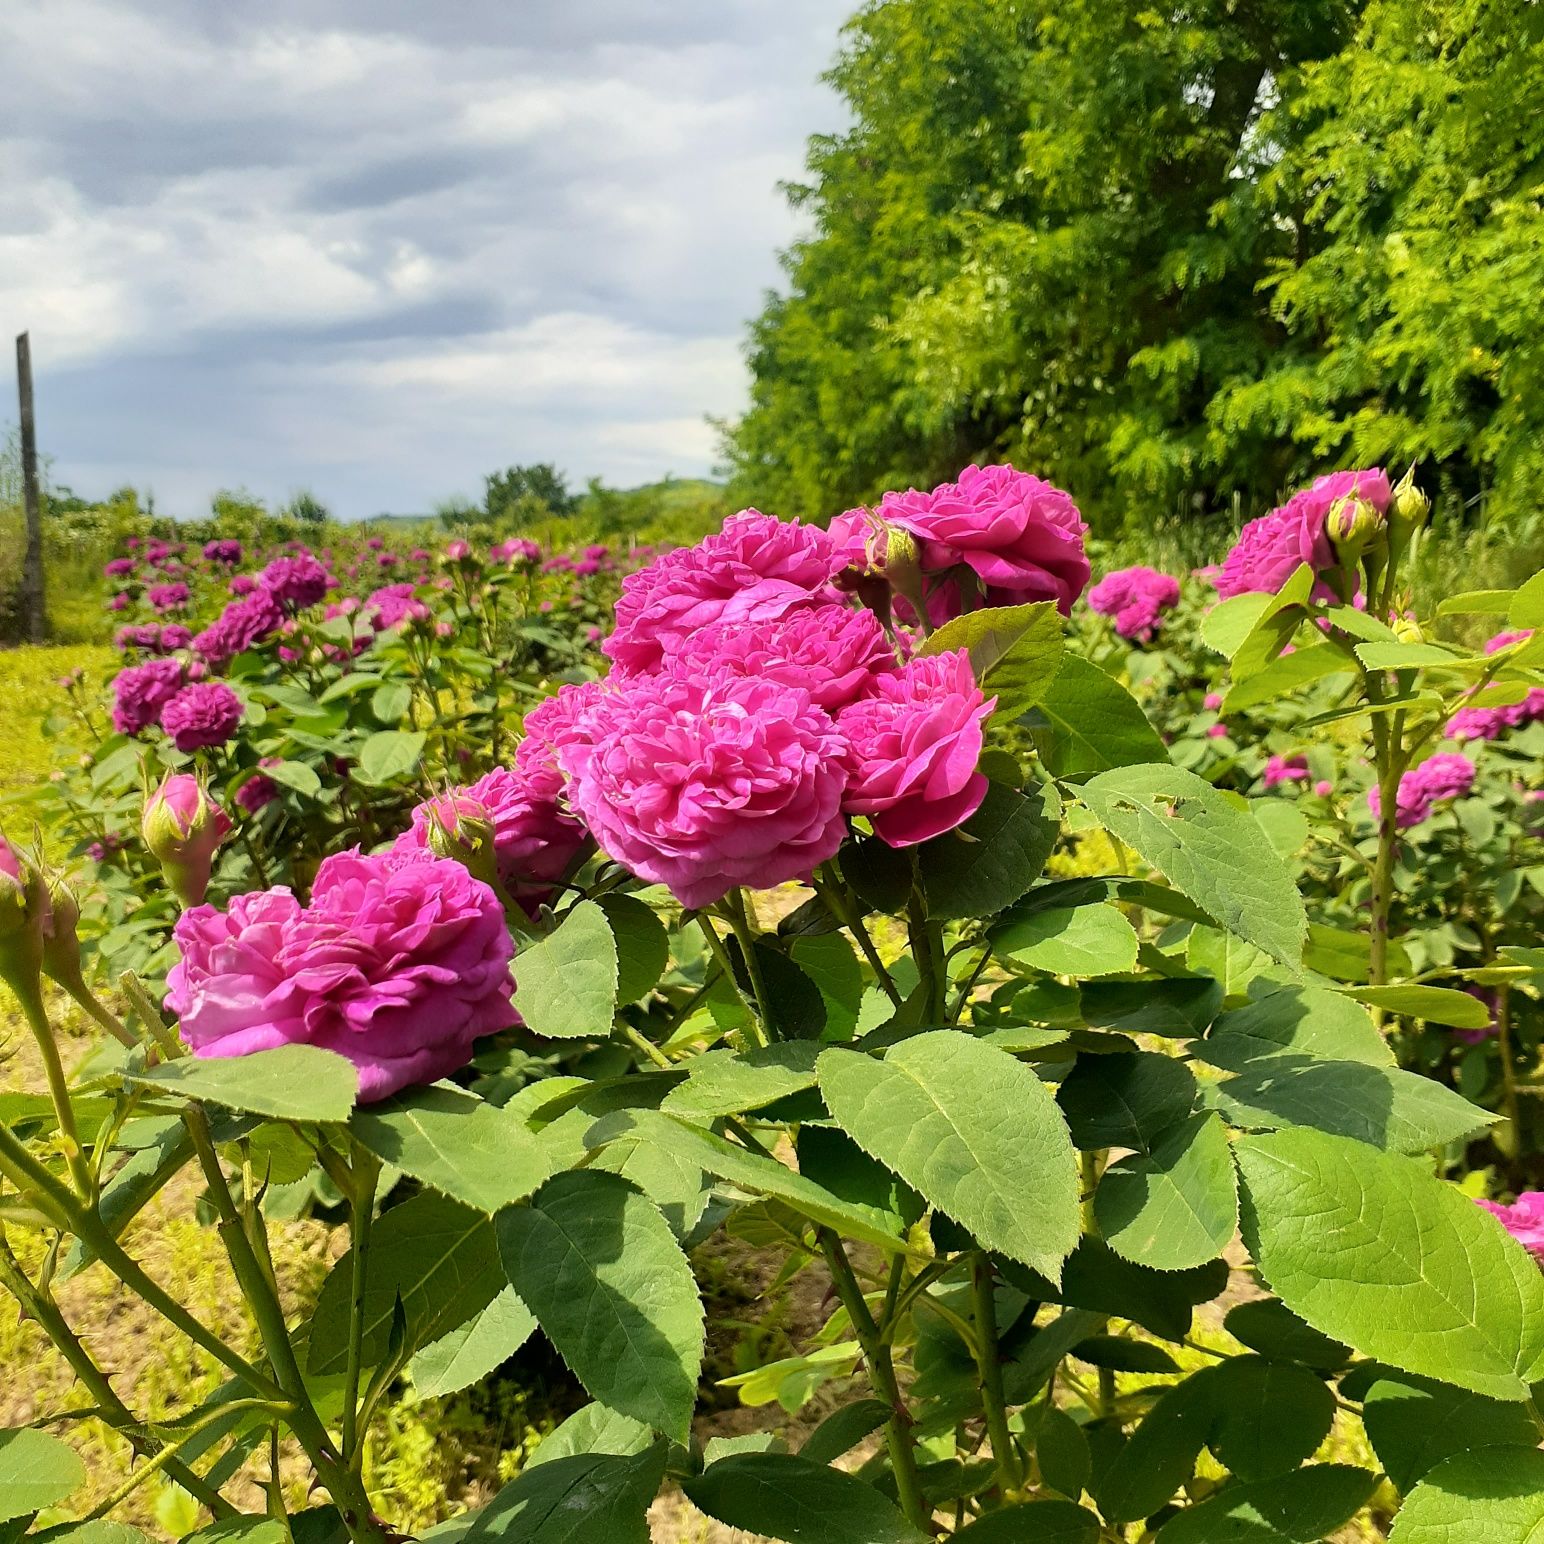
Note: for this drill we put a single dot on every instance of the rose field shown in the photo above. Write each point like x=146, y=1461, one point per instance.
x=926, y=1024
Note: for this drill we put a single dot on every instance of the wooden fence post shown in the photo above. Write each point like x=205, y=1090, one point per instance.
x=34, y=615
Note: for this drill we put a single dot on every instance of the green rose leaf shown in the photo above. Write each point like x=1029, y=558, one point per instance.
x=1014, y=651
x=36, y=1470
x=566, y=983
x=1299, y=1508
x=430, y=1258
x=599, y=1267
x=290, y=1082
x=786, y=1496
x=1369, y=1249
x=589, y=1498
x=457, y=1143
x=1127, y=1099
x=973, y=1131
x=389, y=755
x=642, y=945
x=1415, y=1423
x=472, y=1350
x=1086, y=721
x=1176, y=1207
x=1071, y=941
x=1046, y=1522
x=1490, y=1496
x=991, y=860
x=1208, y=849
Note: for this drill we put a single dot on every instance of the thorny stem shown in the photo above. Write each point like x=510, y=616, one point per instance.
x=255, y=1275
x=989, y=1368
x=39, y=1305
x=721, y=954
x=876, y=1354
x=834, y=893
x=361, y=1211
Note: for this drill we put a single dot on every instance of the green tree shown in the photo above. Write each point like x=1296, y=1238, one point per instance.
x=306, y=508
x=515, y=493
x=1411, y=179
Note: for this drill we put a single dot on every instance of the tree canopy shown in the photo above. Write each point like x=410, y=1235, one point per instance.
x=1167, y=258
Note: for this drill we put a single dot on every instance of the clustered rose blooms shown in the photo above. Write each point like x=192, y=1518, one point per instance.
x=753, y=706
x=1523, y=1219
x=1444, y=776
x=225, y=550
x=756, y=569
x=1492, y=723
x=399, y=963
x=996, y=535
x=1135, y=600
x=141, y=691
x=1269, y=550
x=534, y=839
x=204, y=713
x=296, y=582
x=243, y=624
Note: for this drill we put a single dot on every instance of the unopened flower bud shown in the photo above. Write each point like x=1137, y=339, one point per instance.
x=183, y=827
x=1353, y=525
x=23, y=920
x=61, y=945
x=903, y=568
x=1408, y=630
x=1410, y=506
x=460, y=827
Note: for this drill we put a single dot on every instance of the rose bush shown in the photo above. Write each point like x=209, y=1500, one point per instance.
x=1035, y=1057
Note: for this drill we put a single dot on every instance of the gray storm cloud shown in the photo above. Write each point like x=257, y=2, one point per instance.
x=377, y=247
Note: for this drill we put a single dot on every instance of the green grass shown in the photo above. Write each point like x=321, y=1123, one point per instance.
x=29, y=692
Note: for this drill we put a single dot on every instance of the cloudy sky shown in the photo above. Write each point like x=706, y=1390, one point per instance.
x=379, y=247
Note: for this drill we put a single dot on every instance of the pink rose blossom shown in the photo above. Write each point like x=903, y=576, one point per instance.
x=296, y=582
x=400, y=963
x=1217, y=732
x=168, y=597
x=1324, y=788
x=563, y=719
x=118, y=568
x=202, y=714
x=242, y=625
x=1135, y=599
x=1270, y=549
x=394, y=604
x=141, y=691
x=1021, y=537
x=1213, y=701
x=1523, y=1219
x=1506, y=640
x=914, y=749
x=225, y=550
x=703, y=785
x=754, y=570
x=1285, y=769
x=534, y=841
x=833, y=652
x=1446, y=775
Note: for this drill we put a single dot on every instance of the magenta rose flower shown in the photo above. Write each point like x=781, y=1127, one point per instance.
x=259, y=790
x=1135, y=600
x=242, y=625
x=1021, y=537
x=1447, y=775
x=914, y=749
x=703, y=785
x=118, y=568
x=168, y=597
x=182, y=828
x=141, y=691
x=1523, y=1219
x=296, y=582
x=1270, y=549
x=201, y=714
x=400, y=963
x=563, y=719
x=754, y=570
x=224, y=550
x=833, y=652
x=1285, y=769
x=534, y=840
x=392, y=605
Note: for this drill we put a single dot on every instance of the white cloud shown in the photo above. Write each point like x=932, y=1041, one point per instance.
x=383, y=248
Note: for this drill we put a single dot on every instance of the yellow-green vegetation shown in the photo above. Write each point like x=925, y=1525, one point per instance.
x=29, y=691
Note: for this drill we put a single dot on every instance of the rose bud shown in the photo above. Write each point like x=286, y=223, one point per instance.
x=23, y=921
x=1353, y=525
x=182, y=827
x=1411, y=506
